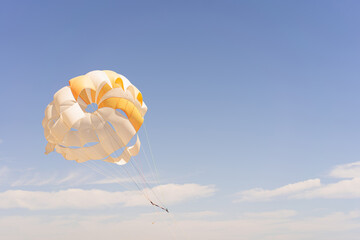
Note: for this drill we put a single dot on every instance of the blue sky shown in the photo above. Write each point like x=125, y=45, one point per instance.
x=244, y=97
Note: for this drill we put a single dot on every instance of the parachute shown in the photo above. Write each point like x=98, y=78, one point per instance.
x=96, y=117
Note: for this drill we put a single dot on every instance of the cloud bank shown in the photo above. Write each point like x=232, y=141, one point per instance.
x=259, y=194
x=347, y=188
x=280, y=225
x=95, y=198
x=351, y=170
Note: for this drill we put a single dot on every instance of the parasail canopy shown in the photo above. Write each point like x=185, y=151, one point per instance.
x=95, y=117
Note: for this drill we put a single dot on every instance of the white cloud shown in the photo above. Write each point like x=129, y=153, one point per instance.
x=272, y=214
x=309, y=189
x=111, y=180
x=175, y=193
x=86, y=199
x=251, y=226
x=351, y=170
x=259, y=194
x=344, y=189
x=201, y=214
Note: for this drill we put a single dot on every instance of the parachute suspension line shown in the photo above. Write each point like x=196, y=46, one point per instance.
x=111, y=174
x=106, y=174
x=136, y=167
x=118, y=154
x=140, y=172
x=141, y=190
x=144, y=182
x=147, y=186
x=173, y=231
x=133, y=163
x=155, y=178
x=99, y=171
x=153, y=160
x=151, y=154
x=120, y=171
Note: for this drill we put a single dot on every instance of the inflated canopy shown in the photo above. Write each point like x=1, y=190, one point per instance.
x=94, y=117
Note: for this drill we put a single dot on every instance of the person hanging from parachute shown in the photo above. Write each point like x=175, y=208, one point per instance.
x=95, y=116
x=163, y=208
